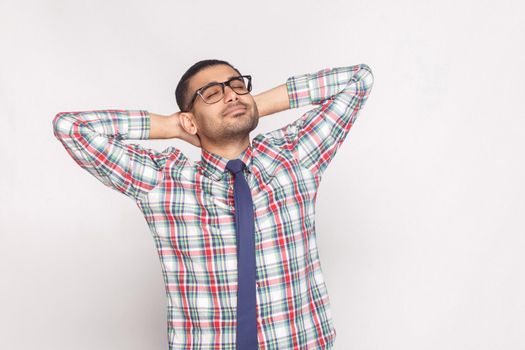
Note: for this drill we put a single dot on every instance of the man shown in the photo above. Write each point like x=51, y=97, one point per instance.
x=206, y=216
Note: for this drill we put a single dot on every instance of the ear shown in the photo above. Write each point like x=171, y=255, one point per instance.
x=188, y=122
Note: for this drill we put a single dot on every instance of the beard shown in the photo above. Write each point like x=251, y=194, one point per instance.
x=235, y=126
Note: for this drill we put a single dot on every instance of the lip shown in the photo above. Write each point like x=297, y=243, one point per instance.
x=235, y=109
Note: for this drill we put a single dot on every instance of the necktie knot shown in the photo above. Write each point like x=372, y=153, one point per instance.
x=235, y=165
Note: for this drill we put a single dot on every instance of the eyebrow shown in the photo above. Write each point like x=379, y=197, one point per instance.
x=230, y=77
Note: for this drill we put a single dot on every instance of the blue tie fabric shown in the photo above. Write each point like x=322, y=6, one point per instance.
x=246, y=336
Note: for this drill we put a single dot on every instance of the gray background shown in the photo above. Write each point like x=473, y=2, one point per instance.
x=419, y=216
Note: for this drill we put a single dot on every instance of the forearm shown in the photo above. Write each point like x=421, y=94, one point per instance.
x=272, y=101
x=328, y=84
x=109, y=123
x=125, y=124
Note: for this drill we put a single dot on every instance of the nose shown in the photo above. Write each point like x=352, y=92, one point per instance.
x=229, y=94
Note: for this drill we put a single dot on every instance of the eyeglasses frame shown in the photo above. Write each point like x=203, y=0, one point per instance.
x=223, y=85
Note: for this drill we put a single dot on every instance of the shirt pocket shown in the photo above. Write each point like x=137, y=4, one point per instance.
x=221, y=204
x=220, y=218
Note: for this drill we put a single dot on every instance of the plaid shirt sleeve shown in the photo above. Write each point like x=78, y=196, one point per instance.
x=94, y=140
x=341, y=93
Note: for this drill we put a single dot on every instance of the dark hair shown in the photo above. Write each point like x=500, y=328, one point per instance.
x=182, y=95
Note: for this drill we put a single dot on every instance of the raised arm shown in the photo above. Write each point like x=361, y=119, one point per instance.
x=94, y=140
x=316, y=136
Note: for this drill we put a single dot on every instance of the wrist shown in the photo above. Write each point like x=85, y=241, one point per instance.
x=273, y=100
x=173, y=127
x=259, y=101
x=162, y=126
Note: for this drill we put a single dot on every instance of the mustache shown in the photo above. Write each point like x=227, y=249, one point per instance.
x=234, y=106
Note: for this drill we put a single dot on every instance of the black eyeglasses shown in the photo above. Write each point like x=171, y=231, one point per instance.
x=214, y=92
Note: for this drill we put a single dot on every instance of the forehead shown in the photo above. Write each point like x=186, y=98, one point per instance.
x=217, y=73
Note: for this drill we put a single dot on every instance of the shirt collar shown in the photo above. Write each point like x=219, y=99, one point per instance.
x=214, y=165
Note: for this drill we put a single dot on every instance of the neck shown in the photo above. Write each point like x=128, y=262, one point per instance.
x=230, y=150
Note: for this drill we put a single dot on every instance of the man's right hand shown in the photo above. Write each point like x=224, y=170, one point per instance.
x=183, y=134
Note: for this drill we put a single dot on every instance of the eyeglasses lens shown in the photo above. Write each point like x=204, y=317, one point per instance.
x=213, y=93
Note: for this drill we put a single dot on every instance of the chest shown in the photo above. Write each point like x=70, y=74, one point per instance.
x=189, y=205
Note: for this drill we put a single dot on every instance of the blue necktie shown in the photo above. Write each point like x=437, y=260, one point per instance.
x=246, y=336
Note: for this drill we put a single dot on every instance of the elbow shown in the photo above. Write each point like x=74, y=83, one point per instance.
x=365, y=67
x=62, y=124
x=367, y=76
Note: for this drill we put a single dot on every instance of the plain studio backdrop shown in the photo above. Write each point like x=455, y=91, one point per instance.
x=419, y=216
